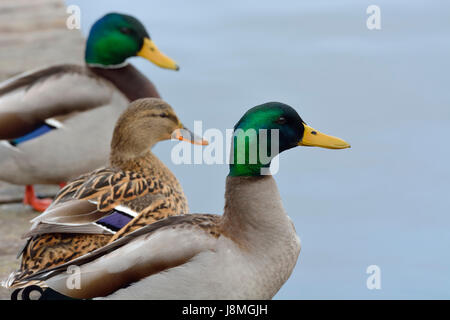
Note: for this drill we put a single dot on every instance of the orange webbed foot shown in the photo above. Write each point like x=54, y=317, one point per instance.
x=36, y=203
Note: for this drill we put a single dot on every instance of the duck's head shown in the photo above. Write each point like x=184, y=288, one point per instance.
x=143, y=124
x=116, y=37
x=274, y=127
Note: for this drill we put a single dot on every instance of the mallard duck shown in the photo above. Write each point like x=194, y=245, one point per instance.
x=51, y=118
x=248, y=253
x=99, y=207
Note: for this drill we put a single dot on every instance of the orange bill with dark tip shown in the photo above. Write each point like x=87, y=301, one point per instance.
x=184, y=134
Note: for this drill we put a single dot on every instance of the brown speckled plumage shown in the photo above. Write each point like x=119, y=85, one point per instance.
x=50, y=250
x=247, y=253
x=208, y=224
x=135, y=179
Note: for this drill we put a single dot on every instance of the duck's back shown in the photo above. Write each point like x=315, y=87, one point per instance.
x=56, y=123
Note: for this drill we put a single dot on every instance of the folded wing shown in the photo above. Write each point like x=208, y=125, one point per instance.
x=88, y=199
x=29, y=103
x=152, y=249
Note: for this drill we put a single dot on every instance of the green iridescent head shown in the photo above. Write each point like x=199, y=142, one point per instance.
x=116, y=37
x=267, y=130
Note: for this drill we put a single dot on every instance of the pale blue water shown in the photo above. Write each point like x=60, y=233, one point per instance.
x=386, y=201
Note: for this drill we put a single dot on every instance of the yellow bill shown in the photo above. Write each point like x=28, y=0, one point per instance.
x=151, y=52
x=314, y=138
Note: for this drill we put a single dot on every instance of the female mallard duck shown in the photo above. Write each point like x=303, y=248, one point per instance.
x=248, y=253
x=50, y=119
x=134, y=190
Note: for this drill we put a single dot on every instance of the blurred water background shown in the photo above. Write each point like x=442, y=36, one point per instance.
x=384, y=202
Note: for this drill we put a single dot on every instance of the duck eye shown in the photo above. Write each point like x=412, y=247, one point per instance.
x=281, y=120
x=125, y=30
x=164, y=115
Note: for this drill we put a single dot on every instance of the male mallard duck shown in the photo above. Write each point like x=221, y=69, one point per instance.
x=50, y=119
x=134, y=190
x=248, y=253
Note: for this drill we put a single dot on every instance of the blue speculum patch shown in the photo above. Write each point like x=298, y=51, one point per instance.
x=45, y=128
x=115, y=221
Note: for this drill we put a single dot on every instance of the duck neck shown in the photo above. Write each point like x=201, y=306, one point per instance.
x=249, y=170
x=130, y=142
x=253, y=210
x=130, y=81
x=141, y=162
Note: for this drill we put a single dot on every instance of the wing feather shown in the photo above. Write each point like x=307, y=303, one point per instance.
x=90, y=198
x=155, y=248
x=29, y=100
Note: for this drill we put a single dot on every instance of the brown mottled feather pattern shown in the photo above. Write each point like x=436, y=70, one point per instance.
x=209, y=223
x=170, y=200
x=107, y=187
x=152, y=190
x=135, y=179
x=49, y=250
